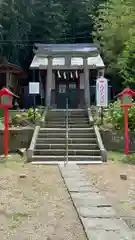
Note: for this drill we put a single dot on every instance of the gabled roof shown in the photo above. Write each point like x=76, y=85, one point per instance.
x=68, y=47
x=81, y=48
x=10, y=67
x=126, y=91
x=5, y=91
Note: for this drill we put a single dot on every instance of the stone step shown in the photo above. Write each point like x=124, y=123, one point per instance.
x=64, y=125
x=84, y=146
x=63, y=140
x=63, y=158
x=65, y=111
x=70, y=134
x=70, y=109
x=62, y=152
x=64, y=116
x=69, y=120
x=71, y=113
x=57, y=124
x=57, y=121
x=61, y=130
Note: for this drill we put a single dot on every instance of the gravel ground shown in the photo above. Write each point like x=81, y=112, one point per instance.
x=120, y=192
x=36, y=206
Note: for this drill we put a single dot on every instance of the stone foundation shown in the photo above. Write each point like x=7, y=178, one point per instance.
x=18, y=138
x=115, y=141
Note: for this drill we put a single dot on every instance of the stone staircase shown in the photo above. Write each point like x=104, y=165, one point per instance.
x=50, y=146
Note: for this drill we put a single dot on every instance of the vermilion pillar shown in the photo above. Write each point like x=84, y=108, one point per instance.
x=6, y=131
x=126, y=130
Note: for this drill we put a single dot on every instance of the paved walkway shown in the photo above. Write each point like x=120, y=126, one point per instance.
x=99, y=219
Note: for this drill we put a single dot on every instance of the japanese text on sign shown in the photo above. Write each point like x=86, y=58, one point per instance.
x=102, y=92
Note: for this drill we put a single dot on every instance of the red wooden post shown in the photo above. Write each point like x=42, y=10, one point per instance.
x=6, y=131
x=126, y=102
x=6, y=103
x=126, y=130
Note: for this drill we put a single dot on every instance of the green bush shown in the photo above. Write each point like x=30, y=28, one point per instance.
x=29, y=115
x=115, y=116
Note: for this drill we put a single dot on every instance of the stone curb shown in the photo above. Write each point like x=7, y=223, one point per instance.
x=32, y=144
x=99, y=139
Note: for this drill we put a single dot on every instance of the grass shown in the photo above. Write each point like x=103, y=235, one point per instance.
x=15, y=219
x=118, y=156
x=115, y=156
x=11, y=162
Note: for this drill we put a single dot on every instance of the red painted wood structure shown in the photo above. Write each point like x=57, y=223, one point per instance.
x=9, y=71
x=126, y=102
x=6, y=97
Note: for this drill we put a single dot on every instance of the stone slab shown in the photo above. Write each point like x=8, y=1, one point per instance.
x=91, y=202
x=71, y=171
x=97, y=215
x=83, y=189
x=108, y=235
x=79, y=183
x=97, y=212
x=107, y=224
x=74, y=178
x=73, y=174
x=86, y=195
x=92, y=199
x=68, y=167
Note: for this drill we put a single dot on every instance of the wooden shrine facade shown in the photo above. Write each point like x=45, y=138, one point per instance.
x=66, y=70
x=10, y=75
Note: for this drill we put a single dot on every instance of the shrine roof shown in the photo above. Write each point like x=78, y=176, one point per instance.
x=57, y=49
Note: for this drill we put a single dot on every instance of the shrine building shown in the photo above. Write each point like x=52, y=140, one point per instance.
x=67, y=70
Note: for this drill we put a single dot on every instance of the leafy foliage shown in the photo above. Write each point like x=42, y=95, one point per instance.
x=114, y=31
x=30, y=114
x=15, y=28
x=26, y=118
x=115, y=116
x=23, y=23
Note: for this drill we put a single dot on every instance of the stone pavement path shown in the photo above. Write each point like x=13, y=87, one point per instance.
x=99, y=219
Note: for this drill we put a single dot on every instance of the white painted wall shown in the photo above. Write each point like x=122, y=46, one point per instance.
x=58, y=61
x=76, y=61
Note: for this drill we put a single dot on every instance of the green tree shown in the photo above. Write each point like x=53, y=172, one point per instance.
x=48, y=23
x=15, y=21
x=114, y=31
x=23, y=23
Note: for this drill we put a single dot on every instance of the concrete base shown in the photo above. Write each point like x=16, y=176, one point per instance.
x=69, y=162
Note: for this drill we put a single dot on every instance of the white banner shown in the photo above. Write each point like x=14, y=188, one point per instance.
x=102, y=92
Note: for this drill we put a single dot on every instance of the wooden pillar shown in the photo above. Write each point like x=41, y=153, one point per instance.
x=7, y=79
x=49, y=82
x=33, y=75
x=78, y=91
x=42, y=95
x=101, y=72
x=86, y=83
